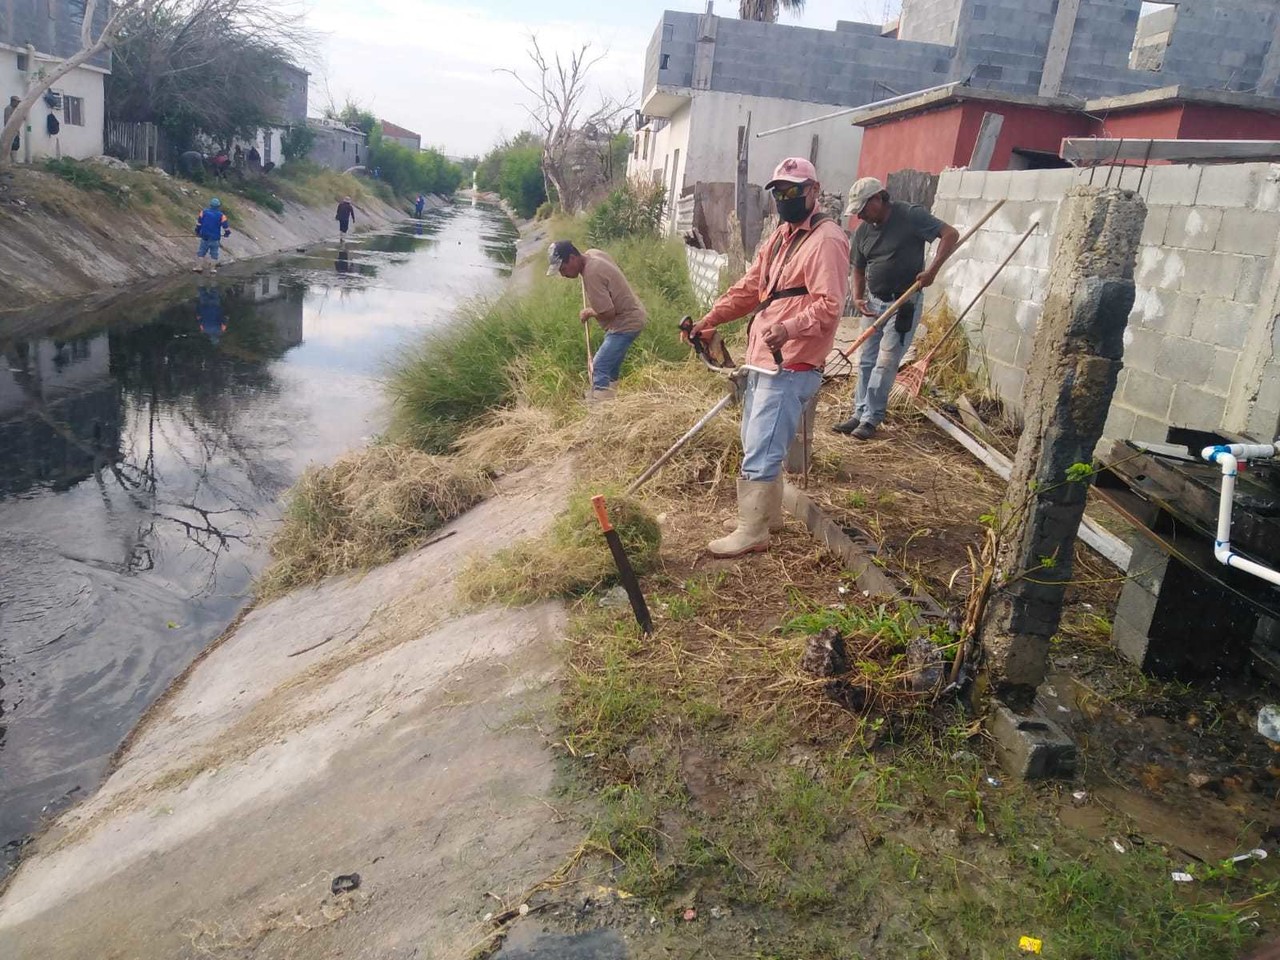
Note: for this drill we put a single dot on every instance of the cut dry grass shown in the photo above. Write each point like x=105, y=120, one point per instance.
x=569, y=560
x=615, y=441
x=365, y=509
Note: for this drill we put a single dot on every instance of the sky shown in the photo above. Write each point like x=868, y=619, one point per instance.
x=431, y=65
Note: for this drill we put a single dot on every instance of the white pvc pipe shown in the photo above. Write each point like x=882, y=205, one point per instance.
x=865, y=108
x=1228, y=457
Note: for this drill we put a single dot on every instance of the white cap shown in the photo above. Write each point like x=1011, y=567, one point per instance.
x=860, y=193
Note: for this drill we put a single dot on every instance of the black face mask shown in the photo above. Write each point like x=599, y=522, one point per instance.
x=796, y=210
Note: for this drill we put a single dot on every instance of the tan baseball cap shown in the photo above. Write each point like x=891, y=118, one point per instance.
x=862, y=191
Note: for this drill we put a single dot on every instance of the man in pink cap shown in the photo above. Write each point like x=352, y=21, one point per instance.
x=794, y=291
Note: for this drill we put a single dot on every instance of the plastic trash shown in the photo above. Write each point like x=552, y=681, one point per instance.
x=1080, y=797
x=1179, y=877
x=1030, y=945
x=994, y=782
x=1269, y=722
x=1258, y=854
x=1117, y=846
x=344, y=882
x=524, y=910
x=690, y=915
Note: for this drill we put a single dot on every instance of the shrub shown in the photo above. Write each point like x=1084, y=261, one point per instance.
x=86, y=176
x=633, y=210
x=256, y=192
x=544, y=211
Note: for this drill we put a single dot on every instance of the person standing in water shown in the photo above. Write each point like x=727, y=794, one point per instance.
x=345, y=216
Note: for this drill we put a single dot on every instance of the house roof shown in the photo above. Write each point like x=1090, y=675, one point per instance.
x=1144, y=100
x=390, y=129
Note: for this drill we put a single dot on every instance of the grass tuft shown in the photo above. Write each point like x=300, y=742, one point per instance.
x=571, y=559
x=365, y=509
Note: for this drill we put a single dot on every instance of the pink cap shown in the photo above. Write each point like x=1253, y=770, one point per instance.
x=793, y=170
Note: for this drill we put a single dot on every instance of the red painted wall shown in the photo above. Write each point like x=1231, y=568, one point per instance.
x=922, y=141
x=1202, y=122
x=942, y=138
x=937, y=139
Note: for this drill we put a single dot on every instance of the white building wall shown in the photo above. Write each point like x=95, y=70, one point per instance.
x=705, y=131
x=73, y=141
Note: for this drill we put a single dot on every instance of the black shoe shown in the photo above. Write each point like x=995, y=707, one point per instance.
x=847, y=427
x=865, y=431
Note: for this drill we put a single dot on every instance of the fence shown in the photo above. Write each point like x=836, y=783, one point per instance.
x=1203, y=344
x=705, y=270
x=136, y=142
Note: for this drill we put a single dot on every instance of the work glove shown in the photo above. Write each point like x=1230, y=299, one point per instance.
x=905, y=320
x=225, y=234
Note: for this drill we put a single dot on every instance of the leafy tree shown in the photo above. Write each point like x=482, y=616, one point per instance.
x=521, y=183
x=297, y=142
x=353, y=115
x=205, y=67
x=767, y=10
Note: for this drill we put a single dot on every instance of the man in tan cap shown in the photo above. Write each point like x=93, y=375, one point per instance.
x=795, y=288
x=888, y=257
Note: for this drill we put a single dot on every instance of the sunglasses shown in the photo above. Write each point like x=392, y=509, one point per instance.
x=789, y=192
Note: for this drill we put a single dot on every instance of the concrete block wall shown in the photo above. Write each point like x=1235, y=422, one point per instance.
x=930, y=21
x=1202, y=344
x=705, y=270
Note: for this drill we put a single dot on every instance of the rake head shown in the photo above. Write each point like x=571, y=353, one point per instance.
x=909, y=382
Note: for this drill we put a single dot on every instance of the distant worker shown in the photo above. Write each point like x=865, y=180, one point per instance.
x=254, y=157
x=211, y=227
x=17, y=137
x=237, y=157
x=795, y=288
x=888, y=257
x=345, y=216
x=221, y=163
x=419, y=205
x=609, y=300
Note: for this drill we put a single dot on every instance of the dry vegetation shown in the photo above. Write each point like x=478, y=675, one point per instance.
x=365, y=509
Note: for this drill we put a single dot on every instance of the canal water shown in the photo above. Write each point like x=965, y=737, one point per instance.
x=144, y=452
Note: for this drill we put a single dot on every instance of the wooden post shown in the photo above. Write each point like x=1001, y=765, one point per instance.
x=1071, y=377
x=740, y=188
x=813, y=150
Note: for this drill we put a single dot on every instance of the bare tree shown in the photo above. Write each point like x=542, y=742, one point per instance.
x=559, y=91
x=90, y=47
x=767, y=10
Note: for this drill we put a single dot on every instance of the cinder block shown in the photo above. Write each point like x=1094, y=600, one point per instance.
x=1222, y=323
x=1147, y=393
x=1022, y=184
x=949, y=183
x=1142, y=348
x=1172, y=185
x=1211, y=274
x=1269, y=191
x=1154, y=228
x=1253, y=275
x=1184, y=361
x=1149, y=429
x=1196, y=408
x=1030, y=746
x=1193, y=228
x=1007, y=382
x=1222, y=377
x=972, y=184
x=1249, y=232
x=1119, y=422
x=1229, y=185
x=1053, y=184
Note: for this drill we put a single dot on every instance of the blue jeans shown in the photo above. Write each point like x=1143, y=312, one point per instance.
x=607, y=364
x=878, y=362
x=771, y=414
x=209, y=247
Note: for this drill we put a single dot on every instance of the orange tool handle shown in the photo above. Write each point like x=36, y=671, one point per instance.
x=602, y=514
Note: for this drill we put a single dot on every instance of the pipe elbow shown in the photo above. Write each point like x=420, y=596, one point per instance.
x=1222, y=553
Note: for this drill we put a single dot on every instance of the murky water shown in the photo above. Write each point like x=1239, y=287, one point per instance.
x=142, y=460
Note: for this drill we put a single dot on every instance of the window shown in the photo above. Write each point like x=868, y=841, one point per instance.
x=668, y=32
x=664, y=61
x=23, y=66
x=1151, y=39
x=73, y=111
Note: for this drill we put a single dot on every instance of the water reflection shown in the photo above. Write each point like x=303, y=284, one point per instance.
x=143, y=454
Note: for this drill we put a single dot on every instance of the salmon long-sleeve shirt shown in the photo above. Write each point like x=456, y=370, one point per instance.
x=819, y=261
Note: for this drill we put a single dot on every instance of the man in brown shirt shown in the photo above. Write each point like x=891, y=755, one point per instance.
x=609, y=299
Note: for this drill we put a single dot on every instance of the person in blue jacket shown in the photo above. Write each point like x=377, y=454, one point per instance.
x=209, y=313
x=212, y=228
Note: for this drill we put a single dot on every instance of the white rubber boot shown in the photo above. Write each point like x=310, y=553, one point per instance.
x=776, y=521
x=758, y=500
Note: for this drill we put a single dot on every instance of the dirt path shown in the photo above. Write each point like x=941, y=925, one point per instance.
x=362, y=726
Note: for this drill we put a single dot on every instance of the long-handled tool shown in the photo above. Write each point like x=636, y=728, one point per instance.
x=586, y=332
x=625, y=573
x=911, y=379
x=692, y=432
x=893, y=308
